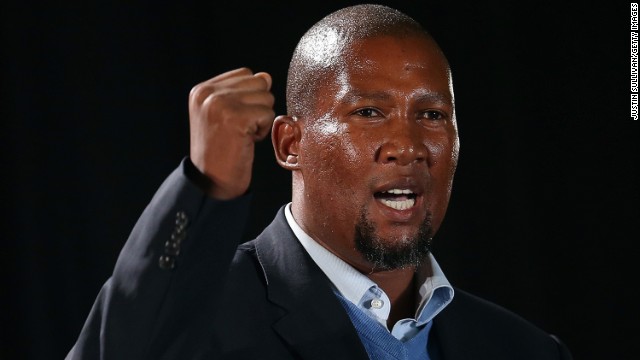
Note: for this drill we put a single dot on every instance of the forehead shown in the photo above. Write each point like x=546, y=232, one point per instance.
x=408, y=63
x=394, y=53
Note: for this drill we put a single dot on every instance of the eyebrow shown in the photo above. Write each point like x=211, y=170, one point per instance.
x=427, y=96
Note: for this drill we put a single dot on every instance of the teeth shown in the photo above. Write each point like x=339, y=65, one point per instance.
x=399, y=204
x=399, y=191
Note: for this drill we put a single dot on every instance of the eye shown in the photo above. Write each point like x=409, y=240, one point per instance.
x=367, y=112
x=433, y=115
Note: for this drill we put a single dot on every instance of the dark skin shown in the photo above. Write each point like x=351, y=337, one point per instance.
x=227, y=115
x=385, y=121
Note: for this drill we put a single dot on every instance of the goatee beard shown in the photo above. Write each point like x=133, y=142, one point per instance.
x=393, y=253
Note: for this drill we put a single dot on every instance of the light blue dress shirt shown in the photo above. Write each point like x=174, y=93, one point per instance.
x=435, y=292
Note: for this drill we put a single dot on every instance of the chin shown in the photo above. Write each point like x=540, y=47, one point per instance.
x=399, y=250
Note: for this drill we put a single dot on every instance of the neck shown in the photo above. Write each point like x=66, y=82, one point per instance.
x=399, y=287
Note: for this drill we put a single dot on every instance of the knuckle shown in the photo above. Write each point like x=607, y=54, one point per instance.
x=245, y=70
x=217, y=99
x=197, y=93
x=195, y=90
x=201, y=93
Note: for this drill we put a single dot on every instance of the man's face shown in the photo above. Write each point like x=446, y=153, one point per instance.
x=378, y=155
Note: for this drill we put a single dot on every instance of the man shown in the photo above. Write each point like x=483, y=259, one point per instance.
x=345, y=270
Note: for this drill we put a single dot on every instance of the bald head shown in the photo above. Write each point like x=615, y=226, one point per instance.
x=324, y=48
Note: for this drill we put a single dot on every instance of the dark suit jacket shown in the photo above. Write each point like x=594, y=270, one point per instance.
x=211, y=298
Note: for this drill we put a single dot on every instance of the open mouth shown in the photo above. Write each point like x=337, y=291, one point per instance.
x=397, y=199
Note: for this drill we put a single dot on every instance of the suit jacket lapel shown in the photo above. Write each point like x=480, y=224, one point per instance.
x=441, y=346
x=451, y=337
x=315, y=323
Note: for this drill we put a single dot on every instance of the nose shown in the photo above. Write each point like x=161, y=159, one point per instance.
x=404, y=144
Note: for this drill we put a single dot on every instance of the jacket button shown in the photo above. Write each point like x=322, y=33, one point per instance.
x=172, y=248
x=178, y=236
x=166, y=262
x=182, y=219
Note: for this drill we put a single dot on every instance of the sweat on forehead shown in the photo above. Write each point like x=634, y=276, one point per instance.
x=321, y=50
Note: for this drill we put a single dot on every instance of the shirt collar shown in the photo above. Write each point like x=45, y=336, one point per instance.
x=435, y=291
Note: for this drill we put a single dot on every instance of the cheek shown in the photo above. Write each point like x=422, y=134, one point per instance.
x=321, y=145
x=443, y=154
x=355, y=156
x=443, y=161
x=335, y=172
x=332, y=152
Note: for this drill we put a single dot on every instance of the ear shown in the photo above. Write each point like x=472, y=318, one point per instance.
x=285, y=136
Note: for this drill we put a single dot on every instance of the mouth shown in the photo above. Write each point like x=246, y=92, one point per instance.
x=397, y=198
x=400, y=200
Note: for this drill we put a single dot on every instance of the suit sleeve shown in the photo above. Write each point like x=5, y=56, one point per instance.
x=565, y=354
x=165, y=278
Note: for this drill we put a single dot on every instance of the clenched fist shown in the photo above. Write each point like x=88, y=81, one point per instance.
x=227, y=115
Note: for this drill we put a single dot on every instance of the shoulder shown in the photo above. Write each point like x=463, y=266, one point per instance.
x=245, y=266
x=487, y=328
x=468, y=306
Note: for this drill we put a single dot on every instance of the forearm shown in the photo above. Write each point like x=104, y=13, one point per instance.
x=147, y=297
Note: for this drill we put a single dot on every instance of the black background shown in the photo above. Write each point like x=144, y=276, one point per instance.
x=544, y=213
